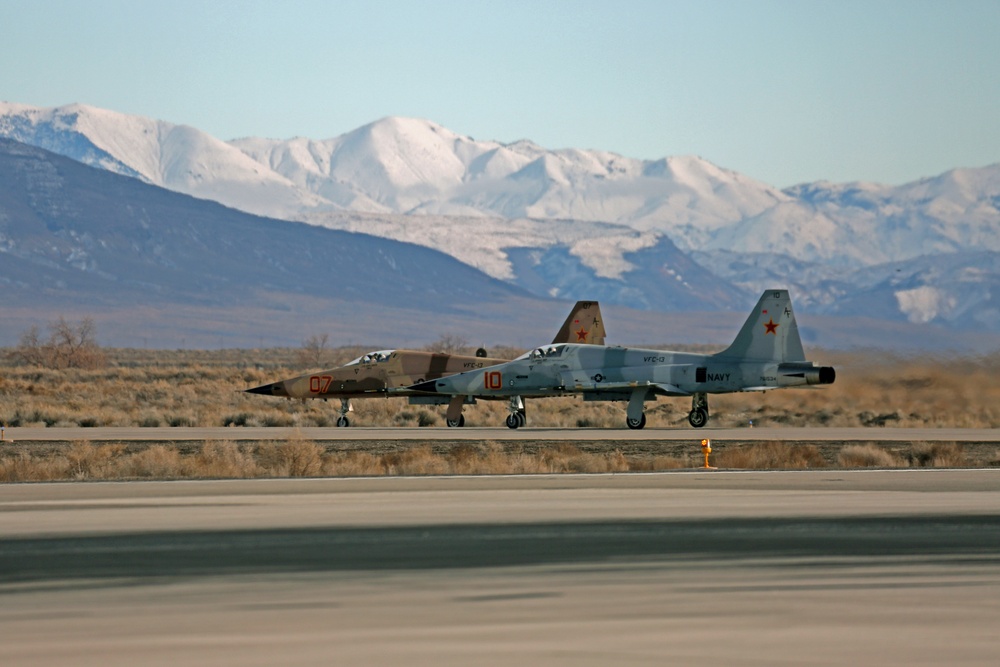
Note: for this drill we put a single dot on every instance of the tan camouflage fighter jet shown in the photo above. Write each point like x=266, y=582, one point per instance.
x=389, y=372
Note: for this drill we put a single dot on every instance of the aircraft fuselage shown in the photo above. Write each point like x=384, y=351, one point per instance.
x=560, y=369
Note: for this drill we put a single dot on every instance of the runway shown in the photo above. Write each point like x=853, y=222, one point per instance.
x=696, y=568
x=796, y=434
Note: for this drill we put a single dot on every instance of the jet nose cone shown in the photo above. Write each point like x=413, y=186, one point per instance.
x=429, y=387
x=273, y=389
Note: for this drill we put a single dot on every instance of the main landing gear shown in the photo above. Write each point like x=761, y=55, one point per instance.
x=698, y=416
x=453, y=417
x=636, y=423
x=517, y=417
x=635, y=414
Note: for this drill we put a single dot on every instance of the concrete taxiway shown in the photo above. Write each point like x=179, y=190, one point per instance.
x=799, y=434
x=695, y=568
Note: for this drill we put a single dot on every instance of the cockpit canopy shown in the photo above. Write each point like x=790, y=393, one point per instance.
x=545, y=352
x=372, y=357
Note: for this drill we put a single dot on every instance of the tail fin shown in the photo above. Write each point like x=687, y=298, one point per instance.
x=770, y=333
x=584, y=325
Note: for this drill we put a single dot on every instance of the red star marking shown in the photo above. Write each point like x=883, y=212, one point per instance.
x=581, y=335
x=771, y=327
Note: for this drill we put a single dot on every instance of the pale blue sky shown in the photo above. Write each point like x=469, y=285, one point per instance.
x=784, y=92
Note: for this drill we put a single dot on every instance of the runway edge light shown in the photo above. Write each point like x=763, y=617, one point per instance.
x=706, y=447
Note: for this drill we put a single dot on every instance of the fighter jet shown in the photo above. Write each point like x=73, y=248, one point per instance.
x=389, y=372
x=766, y=354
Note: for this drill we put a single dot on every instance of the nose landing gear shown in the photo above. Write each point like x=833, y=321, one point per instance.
x=517, y=417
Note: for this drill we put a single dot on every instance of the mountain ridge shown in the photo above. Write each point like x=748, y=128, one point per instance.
x=610, y=221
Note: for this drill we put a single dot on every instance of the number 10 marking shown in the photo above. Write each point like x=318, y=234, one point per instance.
x=493, y=379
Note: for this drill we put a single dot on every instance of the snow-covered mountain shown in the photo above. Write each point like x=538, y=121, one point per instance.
x=176, y=157
x=575, y=222
x=401, y=165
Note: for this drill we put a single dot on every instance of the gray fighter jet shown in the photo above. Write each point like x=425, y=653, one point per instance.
x=767, y=354
x=389, y=372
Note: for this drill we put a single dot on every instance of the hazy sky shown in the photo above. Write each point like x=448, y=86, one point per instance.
x=784, y=92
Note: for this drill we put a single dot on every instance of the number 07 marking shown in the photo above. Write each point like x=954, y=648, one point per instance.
x=319, y=384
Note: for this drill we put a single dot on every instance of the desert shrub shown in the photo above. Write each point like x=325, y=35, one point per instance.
x=425, y=418
x=225, y=459
x=241, y=419
x=488, y=458
x=938, y=455
x=769, y=455
x=404, y=418
x=296, y=457
x=314, y=352
x=277, y=420
x=88, y=461
x=24, y=467
x=558, y=458
x=867, y=456
x=417, y=461
x=67, y=346
x=569, y=458
x=155, y=462
x=652, y=464
x=353, y=464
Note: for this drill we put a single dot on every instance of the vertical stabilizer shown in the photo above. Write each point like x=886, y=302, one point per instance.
x=770, y=333
x=584, y=325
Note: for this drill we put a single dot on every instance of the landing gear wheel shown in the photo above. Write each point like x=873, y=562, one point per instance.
x=698, y=417
x=343, y=422
x=636, y=423
x=513, y=421
x=522, y=419
x=456, y=422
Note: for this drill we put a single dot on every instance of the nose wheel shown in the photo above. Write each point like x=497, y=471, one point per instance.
x=517, y=417
x=516, y=420
x=345, y=407
x=456, y=423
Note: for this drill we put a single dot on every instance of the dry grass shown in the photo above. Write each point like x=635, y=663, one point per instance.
x=204, y=388
x=770, y=456
x=301, y=457
x=185, y=389
x=868, y=456
x=938, y=455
